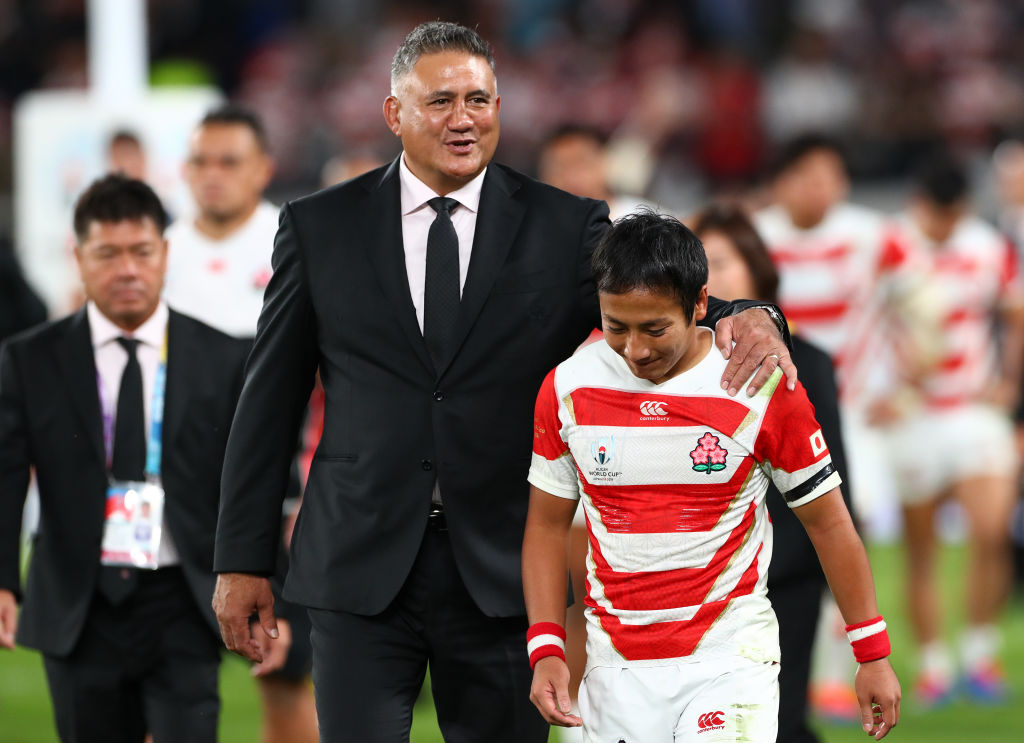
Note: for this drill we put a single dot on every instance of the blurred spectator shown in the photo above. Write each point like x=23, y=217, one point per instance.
x=20, y=306
x=220, y=259
x=126, y=155
x=970, y=455
x=1008, y=159
x=739, y=266
x=574, y=159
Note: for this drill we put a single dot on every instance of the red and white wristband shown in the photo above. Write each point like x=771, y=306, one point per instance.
x=544, y=639
x=869, y=639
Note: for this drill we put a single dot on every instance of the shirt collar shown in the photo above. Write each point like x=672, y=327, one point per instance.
x=103, y=331
x=416, y=193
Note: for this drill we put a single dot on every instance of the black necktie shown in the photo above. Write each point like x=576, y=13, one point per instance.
x=128, y=461
x=129, y=456
x=441, y=287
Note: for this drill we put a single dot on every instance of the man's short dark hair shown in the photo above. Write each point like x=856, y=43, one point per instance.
x=942, y=180
x=653, y=252
x=125, y=136
x=434, y=37
x=581, y=131
x=799, y=147
x=117, y=198
x=232, y=113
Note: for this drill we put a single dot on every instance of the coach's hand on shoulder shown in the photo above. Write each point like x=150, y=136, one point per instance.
x=758, y=343
x=8, y=618
x=550, y=692
x=878, y=693
x=237, y=598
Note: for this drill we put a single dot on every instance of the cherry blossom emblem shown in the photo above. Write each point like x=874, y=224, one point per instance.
x=708, y=456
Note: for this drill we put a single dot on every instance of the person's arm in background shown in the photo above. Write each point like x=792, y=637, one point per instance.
x=15, y=468
x=278, y=378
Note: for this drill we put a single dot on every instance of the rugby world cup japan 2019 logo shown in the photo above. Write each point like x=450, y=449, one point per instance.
x=603, y=449
x=708, y=456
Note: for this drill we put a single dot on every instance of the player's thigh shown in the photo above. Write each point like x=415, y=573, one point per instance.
x=367, y=673
x=741, y=704
x=623, y=705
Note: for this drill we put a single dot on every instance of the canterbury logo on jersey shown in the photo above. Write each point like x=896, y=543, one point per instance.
x=653, y=408
x=710, y=721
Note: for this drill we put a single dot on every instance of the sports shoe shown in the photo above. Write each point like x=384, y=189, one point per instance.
x=931, y=691
x=834, y=701
x=986, y=684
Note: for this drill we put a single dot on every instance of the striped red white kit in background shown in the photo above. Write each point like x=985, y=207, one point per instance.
x=672, y=478
x=975, y=273
x=835, y=280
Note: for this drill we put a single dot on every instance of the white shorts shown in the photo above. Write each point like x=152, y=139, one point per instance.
x=732, y=700
x=935, y=449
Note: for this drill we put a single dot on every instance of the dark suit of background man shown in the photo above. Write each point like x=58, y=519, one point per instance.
x=125, y=650
x=407, y=547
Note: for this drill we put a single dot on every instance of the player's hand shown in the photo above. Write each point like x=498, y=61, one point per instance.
x=275, y=652
x=550, y=692
x=8, y=618
x=758, y=343
x=878, y=693
x=237, y=597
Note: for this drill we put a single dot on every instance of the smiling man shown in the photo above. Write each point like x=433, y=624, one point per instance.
x=682, y=643
x=432, y=295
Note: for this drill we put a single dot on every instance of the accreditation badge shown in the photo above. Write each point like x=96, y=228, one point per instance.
x=134, y=525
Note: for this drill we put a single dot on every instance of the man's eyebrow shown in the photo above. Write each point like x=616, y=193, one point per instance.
x=479, y=93
x=648, y=324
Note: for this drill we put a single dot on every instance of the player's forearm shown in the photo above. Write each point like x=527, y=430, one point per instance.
x=545, y=571
x=842, y=556
x=1013, y=344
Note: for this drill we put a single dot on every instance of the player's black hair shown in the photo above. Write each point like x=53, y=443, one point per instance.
x=232, y=113
x=942, y=180
x=124, y=136
x=654, y=252
x=799, y=147
x=434, y=37
x=116, y=198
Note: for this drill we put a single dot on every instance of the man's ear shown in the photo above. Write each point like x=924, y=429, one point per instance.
x=700, y=309
x=393, y=115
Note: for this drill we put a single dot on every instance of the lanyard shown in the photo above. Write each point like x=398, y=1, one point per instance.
x=154, y=444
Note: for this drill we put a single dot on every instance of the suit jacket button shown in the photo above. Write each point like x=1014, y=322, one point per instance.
x=427, y=465
x=438, y=395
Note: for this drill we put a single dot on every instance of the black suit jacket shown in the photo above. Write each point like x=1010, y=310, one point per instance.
x=339, y=300
x=50, y=419
x=793, y=555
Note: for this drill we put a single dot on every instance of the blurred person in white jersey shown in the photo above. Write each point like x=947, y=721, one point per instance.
x=682, y=642
x=219, y=263
x=845, y=281
x=958, y=444
x=218, y=266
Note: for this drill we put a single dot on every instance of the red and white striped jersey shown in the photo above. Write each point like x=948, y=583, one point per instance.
x=974, y=275
x=834, y=282
x=672, y=479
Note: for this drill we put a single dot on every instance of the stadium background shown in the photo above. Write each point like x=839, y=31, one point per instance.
x=694, y=94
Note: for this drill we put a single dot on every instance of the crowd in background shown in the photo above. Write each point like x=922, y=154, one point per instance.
x=695, y=91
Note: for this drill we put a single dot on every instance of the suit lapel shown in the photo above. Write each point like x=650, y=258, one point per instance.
x=78, y=364
x=497, y=224
x=382, y=219
x=180, y=348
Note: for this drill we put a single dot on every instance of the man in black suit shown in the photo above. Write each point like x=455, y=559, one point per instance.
x=125, y=390
x=433, y=295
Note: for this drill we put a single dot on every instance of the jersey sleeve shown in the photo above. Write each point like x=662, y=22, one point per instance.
x=791, y=446
x=552, y=469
